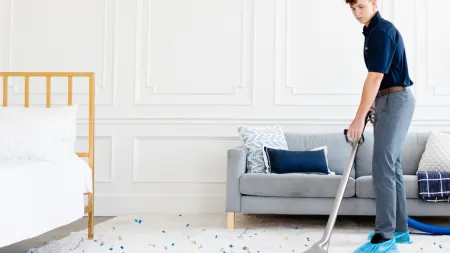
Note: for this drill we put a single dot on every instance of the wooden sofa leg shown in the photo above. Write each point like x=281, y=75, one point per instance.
x=230, y=223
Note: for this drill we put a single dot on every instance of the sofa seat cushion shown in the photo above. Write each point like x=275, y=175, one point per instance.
x=294, y=185
x=364, y=187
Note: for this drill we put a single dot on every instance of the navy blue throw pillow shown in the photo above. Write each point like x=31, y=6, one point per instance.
x=289, y=161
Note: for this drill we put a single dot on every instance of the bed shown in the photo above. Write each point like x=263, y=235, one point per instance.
x=43, y=181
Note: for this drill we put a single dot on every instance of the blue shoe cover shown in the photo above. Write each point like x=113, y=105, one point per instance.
x=385, y=247
x=400, y=237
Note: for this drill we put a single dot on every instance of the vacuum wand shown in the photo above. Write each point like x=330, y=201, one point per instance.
x=319, y=247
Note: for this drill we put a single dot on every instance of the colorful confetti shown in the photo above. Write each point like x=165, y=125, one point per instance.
x=188, y=235
x=78, y=245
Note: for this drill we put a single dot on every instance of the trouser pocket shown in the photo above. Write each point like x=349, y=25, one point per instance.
x=399, y=101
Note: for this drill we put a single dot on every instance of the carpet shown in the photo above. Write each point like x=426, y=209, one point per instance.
x=207, y=233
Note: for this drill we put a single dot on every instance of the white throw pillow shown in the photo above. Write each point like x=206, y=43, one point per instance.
x=325, y=149
x=436, y=156
x=37, y=133
x=254, y=138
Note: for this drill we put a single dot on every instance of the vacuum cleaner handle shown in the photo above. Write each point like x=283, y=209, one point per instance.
x=360, y=141
x=369, y=117
x=319, y=246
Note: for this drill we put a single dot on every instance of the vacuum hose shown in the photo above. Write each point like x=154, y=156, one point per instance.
x=432, y=229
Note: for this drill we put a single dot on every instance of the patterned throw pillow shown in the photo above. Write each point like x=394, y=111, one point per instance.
x=254, y=138
x=436, y=156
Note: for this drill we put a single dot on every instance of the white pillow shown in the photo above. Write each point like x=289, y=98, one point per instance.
x=325, y=149
x=254, y=138
x=436, y=156
x=47, y=134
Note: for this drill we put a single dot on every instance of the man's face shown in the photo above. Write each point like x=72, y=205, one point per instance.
x=363, y=10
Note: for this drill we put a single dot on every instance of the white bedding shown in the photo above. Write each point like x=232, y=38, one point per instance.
x=39, y=196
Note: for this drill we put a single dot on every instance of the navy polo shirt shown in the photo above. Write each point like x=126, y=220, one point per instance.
x=384, y=52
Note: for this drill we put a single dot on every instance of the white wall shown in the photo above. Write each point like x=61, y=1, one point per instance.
x=174, y=78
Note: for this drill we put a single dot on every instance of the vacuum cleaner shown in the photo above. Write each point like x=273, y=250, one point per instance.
x=319, y=247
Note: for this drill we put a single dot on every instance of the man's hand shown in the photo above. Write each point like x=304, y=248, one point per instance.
x=355, y=129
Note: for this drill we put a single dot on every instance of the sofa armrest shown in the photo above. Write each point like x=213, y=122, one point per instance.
x=236, y=166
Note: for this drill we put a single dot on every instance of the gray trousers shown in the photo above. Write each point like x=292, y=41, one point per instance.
x=392, y=117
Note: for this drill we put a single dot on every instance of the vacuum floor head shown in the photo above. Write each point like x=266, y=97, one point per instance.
x=315, y=249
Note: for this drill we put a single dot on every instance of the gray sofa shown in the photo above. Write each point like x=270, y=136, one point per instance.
x=309, y=194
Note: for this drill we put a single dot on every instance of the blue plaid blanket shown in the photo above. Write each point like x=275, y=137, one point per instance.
x=434, y=185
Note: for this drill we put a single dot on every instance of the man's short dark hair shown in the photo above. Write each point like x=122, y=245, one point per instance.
x=351, y=2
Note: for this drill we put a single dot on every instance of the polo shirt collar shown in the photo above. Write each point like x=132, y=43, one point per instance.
x=373, y=22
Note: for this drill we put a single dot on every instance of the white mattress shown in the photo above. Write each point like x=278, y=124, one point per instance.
x=39, y=196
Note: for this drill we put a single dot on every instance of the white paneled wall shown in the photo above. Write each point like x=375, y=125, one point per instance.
x=175, y=77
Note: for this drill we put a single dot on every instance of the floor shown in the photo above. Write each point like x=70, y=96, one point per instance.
x=310, y=221
x=23, y=246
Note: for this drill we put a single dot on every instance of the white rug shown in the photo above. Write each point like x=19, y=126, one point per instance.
x=207, y=233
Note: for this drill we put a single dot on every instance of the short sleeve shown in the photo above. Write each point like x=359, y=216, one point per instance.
x=381, y=52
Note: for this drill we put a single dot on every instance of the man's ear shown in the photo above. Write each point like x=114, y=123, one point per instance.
x=374, y=3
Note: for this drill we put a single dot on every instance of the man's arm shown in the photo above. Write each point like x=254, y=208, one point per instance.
x=381, y=53
x=370, y=90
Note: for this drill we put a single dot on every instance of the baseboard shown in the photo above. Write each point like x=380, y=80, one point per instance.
x=113, y=205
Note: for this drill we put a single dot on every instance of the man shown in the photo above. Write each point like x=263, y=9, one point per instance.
x=386, y=89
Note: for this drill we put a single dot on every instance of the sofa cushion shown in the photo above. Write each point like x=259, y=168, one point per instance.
x=364, y=187
x=294, y=185
x=413, y=148
x=338, y=149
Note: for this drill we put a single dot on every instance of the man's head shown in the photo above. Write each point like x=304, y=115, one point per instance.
x=363, y=10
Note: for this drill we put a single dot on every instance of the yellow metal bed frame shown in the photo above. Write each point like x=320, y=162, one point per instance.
x=89, y=208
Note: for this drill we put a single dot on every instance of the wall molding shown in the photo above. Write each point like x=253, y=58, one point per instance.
x=435, y=88
x=110, y=138
x=108, y=69
x=8, y=40
x=322, y=121
x=282, y=66
x=136, y=139
x=297, y=90
x=114, y=205
x=156, y=95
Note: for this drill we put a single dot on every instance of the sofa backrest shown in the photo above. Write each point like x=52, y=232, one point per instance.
x=413, y=149
x=338, y=149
